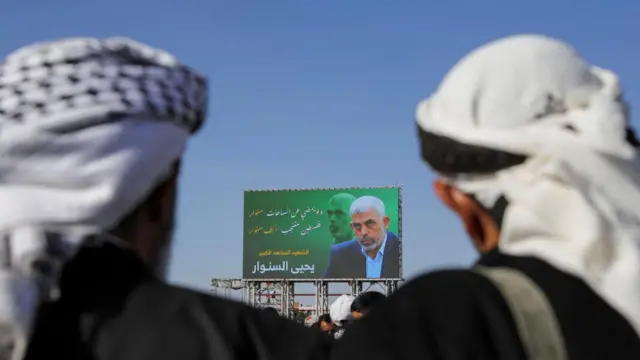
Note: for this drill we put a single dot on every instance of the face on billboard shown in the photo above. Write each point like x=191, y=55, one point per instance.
x=369, y=228
x=323, y=233
x=339, y=219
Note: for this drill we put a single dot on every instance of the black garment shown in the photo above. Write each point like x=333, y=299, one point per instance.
x=458, y=314
x=339, y=331
x=112, y=307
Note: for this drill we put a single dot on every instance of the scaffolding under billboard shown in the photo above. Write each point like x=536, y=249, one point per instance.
x=281, y=293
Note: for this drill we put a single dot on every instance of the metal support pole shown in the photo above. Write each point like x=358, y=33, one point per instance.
x=356, y=287
x=318, y=298
x=251, y=293
x=325, y=297
x=291, y=287
x=284, y=299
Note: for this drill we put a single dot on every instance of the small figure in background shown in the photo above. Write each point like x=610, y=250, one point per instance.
x=365, y=302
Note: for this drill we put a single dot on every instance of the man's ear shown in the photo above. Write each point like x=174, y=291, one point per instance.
x=385, y=221
x=478, y=223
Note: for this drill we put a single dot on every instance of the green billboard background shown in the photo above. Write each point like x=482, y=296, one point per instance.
x=287, y=235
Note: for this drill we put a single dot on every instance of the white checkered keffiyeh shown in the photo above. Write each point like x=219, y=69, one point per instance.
x=87, y=128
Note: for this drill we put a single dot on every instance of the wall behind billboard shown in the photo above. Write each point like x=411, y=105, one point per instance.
x=297, y=234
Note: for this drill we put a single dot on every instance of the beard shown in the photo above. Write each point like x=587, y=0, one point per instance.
x=372, y=246
x=163, y=258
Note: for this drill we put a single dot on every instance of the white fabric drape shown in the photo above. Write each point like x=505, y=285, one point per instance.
x=576, y=201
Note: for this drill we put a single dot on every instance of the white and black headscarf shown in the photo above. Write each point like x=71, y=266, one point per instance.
x=340, y=312
x=541, y=138
x=88, y=127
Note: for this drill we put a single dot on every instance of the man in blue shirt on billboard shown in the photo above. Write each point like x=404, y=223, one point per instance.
x=374, y=252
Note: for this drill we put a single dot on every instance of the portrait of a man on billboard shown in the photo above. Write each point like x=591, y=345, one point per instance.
x=374, y=251
x=339, y=218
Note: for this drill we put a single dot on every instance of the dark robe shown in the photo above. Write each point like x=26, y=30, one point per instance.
x=459, y=314
x=112, y=308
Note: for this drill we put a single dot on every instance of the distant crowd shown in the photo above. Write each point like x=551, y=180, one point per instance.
x=344, y=312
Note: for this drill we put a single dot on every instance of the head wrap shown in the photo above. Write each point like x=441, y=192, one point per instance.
x=88, y=127
x=340, y=310
x=527, y=123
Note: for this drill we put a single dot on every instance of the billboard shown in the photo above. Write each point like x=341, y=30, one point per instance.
x=323, y=233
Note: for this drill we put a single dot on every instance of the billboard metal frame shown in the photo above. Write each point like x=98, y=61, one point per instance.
x=282, y=291
x=401, y=240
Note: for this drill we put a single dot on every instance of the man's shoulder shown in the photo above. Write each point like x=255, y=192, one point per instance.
x=448, y=283
x=425, y=314
x=228, y=314
x=201, y=322
x=446, y=292
x=343, y=246
x=179, y=308
x=392, y=238
x=284, y=338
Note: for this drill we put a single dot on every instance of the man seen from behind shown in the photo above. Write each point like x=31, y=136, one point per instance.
x=535, y=155
x=96, y=130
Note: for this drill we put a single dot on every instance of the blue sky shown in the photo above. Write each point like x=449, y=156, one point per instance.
x=311, y=94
